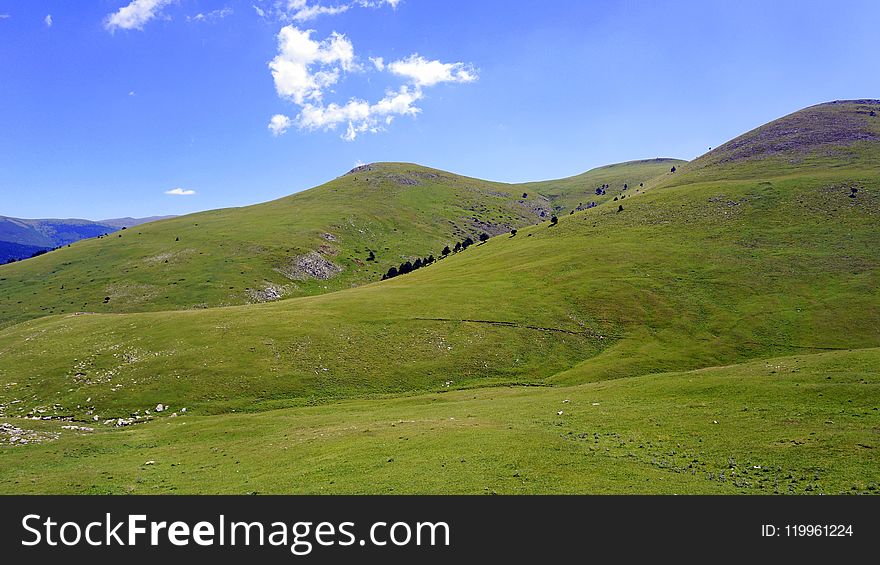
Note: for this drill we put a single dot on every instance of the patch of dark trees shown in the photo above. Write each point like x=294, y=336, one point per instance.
x=34, y=254
x=410, y=266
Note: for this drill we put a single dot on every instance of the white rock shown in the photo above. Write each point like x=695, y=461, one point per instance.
x=150, y=463
x=160, y=407
x=559, y=413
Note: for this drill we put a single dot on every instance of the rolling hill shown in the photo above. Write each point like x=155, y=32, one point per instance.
x=309, y=243
x=715, y=330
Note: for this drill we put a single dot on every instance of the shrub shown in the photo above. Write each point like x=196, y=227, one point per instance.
x=512, y=233
x=484, y=237
x=620, y=208
x=554, y=220
x=525, y=195
x=446, y=251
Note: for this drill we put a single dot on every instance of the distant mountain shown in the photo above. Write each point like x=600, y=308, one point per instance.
x=15, y=251
x=21, y=238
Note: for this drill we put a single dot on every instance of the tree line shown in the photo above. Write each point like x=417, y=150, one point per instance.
x=410, y=266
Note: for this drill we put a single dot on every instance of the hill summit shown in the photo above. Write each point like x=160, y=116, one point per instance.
x=843, y=130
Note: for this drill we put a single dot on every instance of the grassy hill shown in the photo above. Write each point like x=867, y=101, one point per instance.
x=744, y=296
x=309, y=243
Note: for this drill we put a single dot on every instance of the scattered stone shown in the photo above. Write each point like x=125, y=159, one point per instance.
x=310, y=266
x=20, y=436
x=79, y=428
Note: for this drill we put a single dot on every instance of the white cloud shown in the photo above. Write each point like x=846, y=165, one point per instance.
x=302, y=11
x=299, y=54
x=4, y=16
x=132, y=93
x=180, y=192
x=423, y=72
x=135, y=15
x=48, y=20
x=307, y=10
x=213, y=15
x=359, y=115
x=305, y=69
x=279, y=124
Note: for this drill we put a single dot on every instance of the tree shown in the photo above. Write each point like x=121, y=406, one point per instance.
x=446, y=251
x=554, y=220
x=620, y=208
x=467, y=242
x=405, y=268
x=372, y=256
x=525, y=195
x=512, y=233
x=457, y=247
x=672, y=170
x=418, y=264
x=571, y=213
x=625, y=187
x=430, y=259
x=484, y=237
x=392, y=272
x=641, y=184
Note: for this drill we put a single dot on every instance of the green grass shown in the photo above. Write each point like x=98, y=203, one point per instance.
x=215, y=258
x=700, y=269
x=680, y=279
x=794, y=425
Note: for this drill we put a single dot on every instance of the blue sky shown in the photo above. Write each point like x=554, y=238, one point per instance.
x=110, y=104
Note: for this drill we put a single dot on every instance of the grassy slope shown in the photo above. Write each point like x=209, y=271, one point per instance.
x=398, y=211
x=680, y=279
x=695, y=272
x=804, y=424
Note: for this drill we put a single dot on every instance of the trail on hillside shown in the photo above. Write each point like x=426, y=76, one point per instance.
x=587, y=332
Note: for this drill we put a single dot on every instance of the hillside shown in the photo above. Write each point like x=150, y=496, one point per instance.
x=309, y=243
x=826, y=136
x=655, y=326
x=686, y=276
